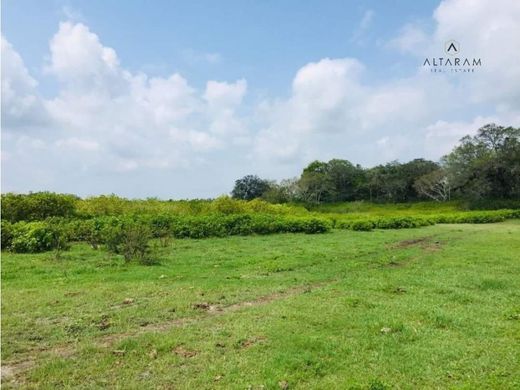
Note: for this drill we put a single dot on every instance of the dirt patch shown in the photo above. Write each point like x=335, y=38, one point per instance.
x=12, y=370
x=72, y=294
x=181, y=351
x=252, y=341
x=411, y=242
x=426, y=243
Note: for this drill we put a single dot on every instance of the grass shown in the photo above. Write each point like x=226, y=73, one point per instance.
x=435, y=307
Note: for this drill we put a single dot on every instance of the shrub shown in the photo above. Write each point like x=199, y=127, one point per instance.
x=90, y=231
x=227, y=205
x=37, y=206
x=362, y=225
x=32, y=237
x=7, y=234
x=128, y=237
x=417, y=221
x=135, y=243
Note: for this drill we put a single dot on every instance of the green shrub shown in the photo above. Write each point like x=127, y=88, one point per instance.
x=37, y=206
x=362, y=226
x=135, y=243
x=406, y=222
x=33, y=237
x=227, y=205
x=89, y=230
x=128, y=237
x=403, y=222
x=7, y=234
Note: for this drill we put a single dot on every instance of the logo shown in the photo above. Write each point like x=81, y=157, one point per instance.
x=453, y=62
x=452, y=47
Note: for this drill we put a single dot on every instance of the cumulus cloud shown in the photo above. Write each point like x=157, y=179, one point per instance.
x=105, y=118
x=420, y=115
x=108, y=128
x=21, y=106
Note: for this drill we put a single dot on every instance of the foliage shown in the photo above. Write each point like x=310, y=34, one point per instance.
x=250, y=187
x=135, y=243
x=288, y=190
x=394, y=182
x=434, y=185
x=486, y=165
x=315, y=183
x=33, y=237
x=7, y=234
x=37, y=206
x=368, y=223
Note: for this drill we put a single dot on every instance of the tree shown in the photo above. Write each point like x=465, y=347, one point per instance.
x=250, y=187
x=394, y=182
x=486, y=165
x=288, y=190
x=315, y=183
x=346, y=180
x=434, y=185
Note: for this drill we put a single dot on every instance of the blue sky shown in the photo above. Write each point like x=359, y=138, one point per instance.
x=262, y=41
x=178, y=99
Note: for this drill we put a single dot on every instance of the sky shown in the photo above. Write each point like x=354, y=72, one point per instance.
x=178, y=99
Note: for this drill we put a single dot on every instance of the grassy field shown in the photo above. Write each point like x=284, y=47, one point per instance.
x=434, y=307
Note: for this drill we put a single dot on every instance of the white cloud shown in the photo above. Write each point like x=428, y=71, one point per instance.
x=107, y=119
x=107, y=127
x=78, y=144
x=364, y=24
x=21, y=106
x=421, y=115
x=411, y=38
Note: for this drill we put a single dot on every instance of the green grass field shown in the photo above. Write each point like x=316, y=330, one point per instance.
x=433, y=307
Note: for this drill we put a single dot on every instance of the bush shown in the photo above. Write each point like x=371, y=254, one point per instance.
x=126, y=236
x=362, y=226
x=37, y=206
x=227, y=205
x=33, y=237
x=135, y=243
x=90, y=231
x=417, y=221
x=403, y=222
x=494, y=204
x=7, y=234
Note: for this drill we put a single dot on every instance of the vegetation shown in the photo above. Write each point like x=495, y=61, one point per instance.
x=485, y=166
x=114, y=222
x=435, y=307
x=415, y=308
x=249, y=187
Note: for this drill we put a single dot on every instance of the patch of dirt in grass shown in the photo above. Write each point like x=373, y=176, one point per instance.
x=411, y=242
x=186, y=353
x=12, y=371
x=252, y=341
x=426, y=243
x=72, y=294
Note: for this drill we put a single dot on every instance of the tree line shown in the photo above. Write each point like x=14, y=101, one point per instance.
x=483, y=166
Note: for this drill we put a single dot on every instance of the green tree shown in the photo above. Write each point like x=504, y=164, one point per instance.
x=486, y=165
x=315, y=183
x=250, y=187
